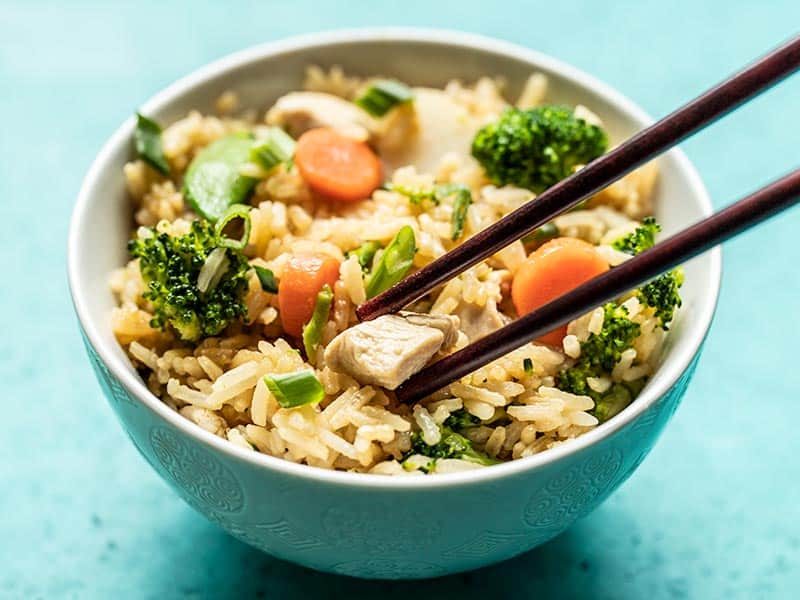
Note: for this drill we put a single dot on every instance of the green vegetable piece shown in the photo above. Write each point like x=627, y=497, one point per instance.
x=639, y=240
x=599, y=353
x=276, y=147
x=213, y=182
x=662, y=294
x=383, y=95
x=365, y=253
x=236, y=220
x=171, y=268
x=461, y=419
x=536, y=148
x=267, y=280
x=416, y=196
x=543, y=234
x=295, y=389
x=452, y=445
x=393, y=264
x=527, y=365
x=312, y=331
x=213, y=270
x=147, y=140
x=460, y=205
x=612, y=402
x=436, y=195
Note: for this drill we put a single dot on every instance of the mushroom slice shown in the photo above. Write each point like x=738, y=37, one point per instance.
x=297, y=112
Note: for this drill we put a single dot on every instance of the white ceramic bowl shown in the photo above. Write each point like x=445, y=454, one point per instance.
x=371, y=525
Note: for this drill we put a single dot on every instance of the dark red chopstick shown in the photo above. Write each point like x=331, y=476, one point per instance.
x=665, y=255
x=601, y=172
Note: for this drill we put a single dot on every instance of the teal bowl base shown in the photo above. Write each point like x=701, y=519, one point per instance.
x=387, y=533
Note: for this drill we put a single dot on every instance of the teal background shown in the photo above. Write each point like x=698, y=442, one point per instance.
x=714, y=512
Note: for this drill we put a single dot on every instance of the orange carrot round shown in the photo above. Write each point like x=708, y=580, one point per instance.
x=551, y=271
x=302, y=279
x=336, y=166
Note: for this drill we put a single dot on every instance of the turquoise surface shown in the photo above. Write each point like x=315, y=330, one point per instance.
x=713, y=512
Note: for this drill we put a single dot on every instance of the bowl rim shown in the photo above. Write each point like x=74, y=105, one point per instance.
x=666, y=376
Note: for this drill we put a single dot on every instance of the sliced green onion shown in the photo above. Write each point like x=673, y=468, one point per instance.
x=267, y=280
x=394, y=262
x=312, y=331
x=213, y=269
x=276, y=147
x=527, y=365
x=415, y=195
x=546, y=232
x=460, y=205
x=295, y=389
x=463, y=198
x=383, y=95
x=147, y=140
x=237, y=217
x=365, y=253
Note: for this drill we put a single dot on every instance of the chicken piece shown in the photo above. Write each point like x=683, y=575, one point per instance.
x=443, y=126
x=297, y=112
x=479, y=321
x=391, y=348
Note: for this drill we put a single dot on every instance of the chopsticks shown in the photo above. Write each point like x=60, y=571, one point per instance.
x=599, y=173
x=690, y=242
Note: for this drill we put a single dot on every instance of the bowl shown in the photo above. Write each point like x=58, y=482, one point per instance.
x=375, y=526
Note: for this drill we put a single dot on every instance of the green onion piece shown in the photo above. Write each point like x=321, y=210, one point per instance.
x=365, y=253
x=295, y=389
x=416, y=196
x=312, y=331
x=147, y=140
x=276, y=147
x=546, y=232
x=394, y=262
x=235, y=219
x=460, y=206
x=527, y=364
x=215, y=266
x=267, y=279
x=383, y=95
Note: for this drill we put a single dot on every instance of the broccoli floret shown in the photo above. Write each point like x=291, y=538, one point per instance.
x=452, y=445
x=537, y=148
x=639, y=240
x=461, y=419
x=662, y=295
x=603, y=350
x=599, y=353
x=170, y=267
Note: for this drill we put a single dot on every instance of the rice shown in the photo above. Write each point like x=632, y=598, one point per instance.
x=218, y=384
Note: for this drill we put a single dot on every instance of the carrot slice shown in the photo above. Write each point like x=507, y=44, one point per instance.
x=551, y=271
x=336, y=166
x=302, y=279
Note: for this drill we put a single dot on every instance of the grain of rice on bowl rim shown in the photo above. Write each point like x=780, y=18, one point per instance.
x=253, y=336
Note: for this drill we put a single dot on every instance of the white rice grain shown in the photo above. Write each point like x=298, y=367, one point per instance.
x=572, y=347
x=470, y=392
x=431, y=433
x=495, y=442
x=479, y=409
